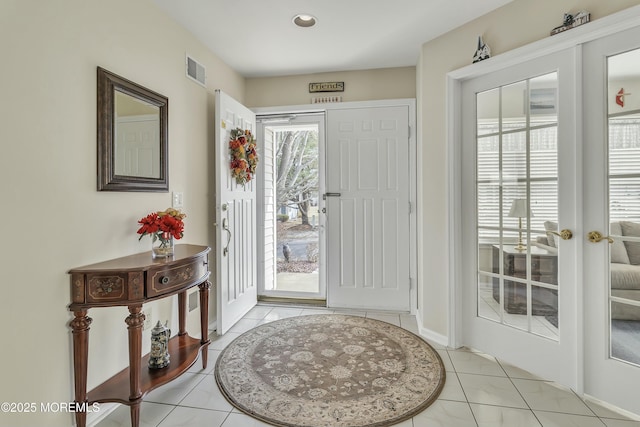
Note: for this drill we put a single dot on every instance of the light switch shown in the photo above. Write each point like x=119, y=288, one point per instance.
x=177, y=200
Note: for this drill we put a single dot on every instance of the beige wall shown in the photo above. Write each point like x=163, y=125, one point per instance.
x=386, y=83
x=514, y=25
x=55, y=219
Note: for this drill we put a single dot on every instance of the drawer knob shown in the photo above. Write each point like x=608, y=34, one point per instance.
x=164, y=280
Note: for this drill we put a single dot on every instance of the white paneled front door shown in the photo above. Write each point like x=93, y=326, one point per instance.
x=236, y=236
x=368, y=209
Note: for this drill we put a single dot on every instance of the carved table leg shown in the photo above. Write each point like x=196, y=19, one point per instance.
x=80, y=330
x=135, y=321
x=182, y=313
x=204, y=320
x=135, y=415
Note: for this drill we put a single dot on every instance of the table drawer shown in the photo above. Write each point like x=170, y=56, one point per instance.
x=163, y=280
x=107, y=287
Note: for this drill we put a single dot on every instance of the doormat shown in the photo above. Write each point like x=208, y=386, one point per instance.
x=330, y=370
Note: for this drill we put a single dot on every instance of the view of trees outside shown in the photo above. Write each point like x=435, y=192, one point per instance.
x=297, y=200
x=297, y=171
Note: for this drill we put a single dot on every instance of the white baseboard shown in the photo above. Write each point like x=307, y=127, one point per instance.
x=93, y=418
x=612, y=408
x=429, y=334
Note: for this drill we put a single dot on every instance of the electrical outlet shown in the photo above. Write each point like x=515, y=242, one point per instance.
x=147, y=320
x=177, y=199
x=193, y=300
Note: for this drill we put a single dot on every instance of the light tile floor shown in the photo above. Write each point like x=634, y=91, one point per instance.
x=480, y=391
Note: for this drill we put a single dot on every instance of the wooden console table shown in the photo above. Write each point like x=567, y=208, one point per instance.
x=132, y=281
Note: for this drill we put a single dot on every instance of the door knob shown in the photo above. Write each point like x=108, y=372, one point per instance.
x=596, y=236
x=564, y=234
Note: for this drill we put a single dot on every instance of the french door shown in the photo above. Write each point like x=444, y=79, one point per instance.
x=518, y=195
x=551, y=216
x=612, y=209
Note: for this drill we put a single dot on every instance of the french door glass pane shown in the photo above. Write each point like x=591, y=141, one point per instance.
x=513, y=108
x=544, y=152
x=624, y=207
x=489, y=112
x=544, y=205
x=624, y=200
x=517, y=198
x=489, y=293
x=488, y=202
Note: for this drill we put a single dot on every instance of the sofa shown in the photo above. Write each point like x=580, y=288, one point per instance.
x=625, y=264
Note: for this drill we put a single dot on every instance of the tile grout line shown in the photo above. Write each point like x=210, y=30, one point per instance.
x=520, y=393
x=166, y=416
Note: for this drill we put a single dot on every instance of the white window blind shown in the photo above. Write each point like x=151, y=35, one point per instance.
x=624, y=174
x=624, y=167
x=542, y=178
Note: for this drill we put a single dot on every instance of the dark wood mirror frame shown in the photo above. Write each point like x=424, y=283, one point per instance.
x=108, y=180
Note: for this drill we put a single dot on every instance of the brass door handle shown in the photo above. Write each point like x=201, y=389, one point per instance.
x=564, y=234
x=596, y=236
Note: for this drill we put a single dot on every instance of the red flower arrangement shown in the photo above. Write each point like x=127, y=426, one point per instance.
x=244, y=158
x=163, y=226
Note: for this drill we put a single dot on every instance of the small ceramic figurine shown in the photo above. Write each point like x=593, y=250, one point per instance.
x=483, y=51
x=570, y=21
x=159, y=357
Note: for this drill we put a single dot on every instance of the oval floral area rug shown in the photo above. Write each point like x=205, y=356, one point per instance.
x=330, y=370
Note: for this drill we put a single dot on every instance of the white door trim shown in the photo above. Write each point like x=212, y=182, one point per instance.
x=413, y=147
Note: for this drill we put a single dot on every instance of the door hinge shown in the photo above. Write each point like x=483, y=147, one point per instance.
x=410, y=283
x=410, y=208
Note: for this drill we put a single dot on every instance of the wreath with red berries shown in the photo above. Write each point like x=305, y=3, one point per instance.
x=244, y=158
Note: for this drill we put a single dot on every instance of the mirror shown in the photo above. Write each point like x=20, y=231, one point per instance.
x=132, y=136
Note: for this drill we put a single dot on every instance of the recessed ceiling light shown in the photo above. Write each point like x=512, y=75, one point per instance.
x=304, y=21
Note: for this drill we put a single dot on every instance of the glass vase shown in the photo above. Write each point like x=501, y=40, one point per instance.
x=162, y=245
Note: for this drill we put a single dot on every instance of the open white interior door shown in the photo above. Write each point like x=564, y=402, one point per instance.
x=236, y=275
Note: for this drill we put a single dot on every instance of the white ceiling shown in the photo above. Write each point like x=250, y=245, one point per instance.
x=257, y=37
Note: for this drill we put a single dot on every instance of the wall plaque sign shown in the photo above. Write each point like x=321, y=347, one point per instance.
x=326, y=87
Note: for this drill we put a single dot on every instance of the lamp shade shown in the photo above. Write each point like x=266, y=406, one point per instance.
x=518, y=208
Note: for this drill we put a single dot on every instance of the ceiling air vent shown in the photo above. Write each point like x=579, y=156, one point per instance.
x=195, y=70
